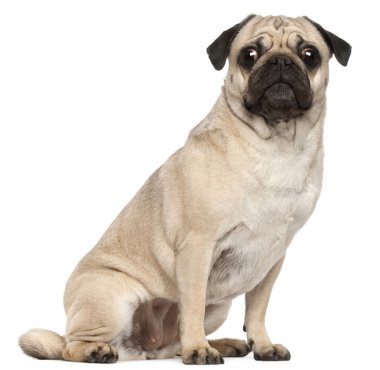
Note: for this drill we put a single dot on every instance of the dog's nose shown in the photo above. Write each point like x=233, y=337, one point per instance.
x=281, y=60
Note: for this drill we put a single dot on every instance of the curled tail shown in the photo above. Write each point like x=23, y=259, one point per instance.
x=42, y=344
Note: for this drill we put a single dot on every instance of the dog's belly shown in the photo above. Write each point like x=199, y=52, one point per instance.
x=243, y=258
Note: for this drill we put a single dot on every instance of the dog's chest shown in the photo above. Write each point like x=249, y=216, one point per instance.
x=250, y=248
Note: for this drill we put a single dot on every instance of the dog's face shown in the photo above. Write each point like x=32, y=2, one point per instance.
x=278, y=66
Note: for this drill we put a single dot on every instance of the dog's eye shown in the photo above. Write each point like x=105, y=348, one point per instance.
x=248, y=57
x=310, y=57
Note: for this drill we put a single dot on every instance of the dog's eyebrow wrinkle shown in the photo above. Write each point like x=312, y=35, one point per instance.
x=300, y=39
x=278, y=22
x=264, y=33
x=282, y=37
x=260, y=36
x=298, y=36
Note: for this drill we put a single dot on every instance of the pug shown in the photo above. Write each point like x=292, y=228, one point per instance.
x=215, y=221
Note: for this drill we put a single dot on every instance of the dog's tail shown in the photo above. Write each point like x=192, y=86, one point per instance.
x=42, y=344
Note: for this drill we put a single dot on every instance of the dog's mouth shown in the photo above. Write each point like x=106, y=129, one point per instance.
x=277, y=102
x=280, y=95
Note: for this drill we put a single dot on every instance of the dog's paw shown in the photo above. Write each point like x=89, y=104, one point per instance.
x=202, y=356
x=101, y=353
x=276, y=352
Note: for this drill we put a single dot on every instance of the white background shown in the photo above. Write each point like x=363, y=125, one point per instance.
x=95, y=95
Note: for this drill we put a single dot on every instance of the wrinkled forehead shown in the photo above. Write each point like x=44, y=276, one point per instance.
x=278, y=31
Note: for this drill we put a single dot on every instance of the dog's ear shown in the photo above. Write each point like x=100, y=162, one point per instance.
x=340, y=48
x=219, y=49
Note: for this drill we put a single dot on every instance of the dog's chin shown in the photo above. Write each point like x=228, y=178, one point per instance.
x=277, y=103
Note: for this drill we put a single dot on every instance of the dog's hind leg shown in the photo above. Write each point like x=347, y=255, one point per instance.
x=100, y=308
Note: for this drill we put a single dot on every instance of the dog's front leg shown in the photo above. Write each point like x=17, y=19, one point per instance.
x=256, y=302
x=193, y=262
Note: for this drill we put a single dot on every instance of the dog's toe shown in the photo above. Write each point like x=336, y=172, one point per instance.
x=276, y=352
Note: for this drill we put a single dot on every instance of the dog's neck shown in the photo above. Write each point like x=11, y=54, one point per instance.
x=286, y=135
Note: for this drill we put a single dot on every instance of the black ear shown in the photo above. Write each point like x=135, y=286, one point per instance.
x=219, y=49
x=340, y=48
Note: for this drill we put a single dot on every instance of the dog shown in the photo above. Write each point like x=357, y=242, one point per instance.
x=216, y=219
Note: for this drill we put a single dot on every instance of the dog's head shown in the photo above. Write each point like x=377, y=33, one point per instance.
x=278, y=66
